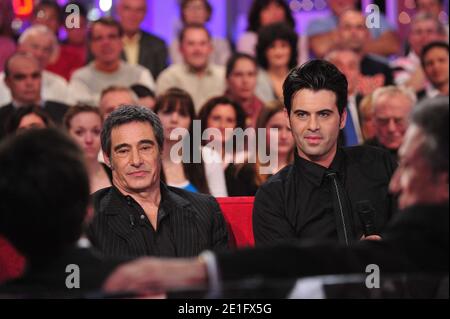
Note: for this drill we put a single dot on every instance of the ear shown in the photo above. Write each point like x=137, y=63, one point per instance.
x=8, y=82
x=343, y=119
x=107, y=160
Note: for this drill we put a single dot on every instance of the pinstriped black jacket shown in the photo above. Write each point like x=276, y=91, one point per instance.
x=188, y=223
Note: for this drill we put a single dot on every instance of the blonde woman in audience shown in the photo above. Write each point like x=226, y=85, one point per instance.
x=366, y=115
x=274, y=117
x=84, y=124
x=176, y=110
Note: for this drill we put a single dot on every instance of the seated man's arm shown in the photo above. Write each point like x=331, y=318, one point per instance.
x=269, y=219
x=219, y=230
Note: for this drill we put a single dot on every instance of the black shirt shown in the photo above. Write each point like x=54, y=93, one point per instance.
x=187, y=224
x=297, y=202
x=374, y=142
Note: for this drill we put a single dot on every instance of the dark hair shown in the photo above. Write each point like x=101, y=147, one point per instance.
x=13, y=121
x=183, y=31
x=316, y=75
x=178, y=100
x=268, y=35
x=430, y=46
x=142, y=91
x=49, y=4
x=127, y=114
x=209, y=106
x=44, y=189
x=107, y=21
x=231, y=63
x=254, y=19
x=207, y=5
x=431, y=115
x=77, y=109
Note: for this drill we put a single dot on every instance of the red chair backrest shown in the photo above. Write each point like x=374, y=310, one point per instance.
x=238, y=215
x=12, y=264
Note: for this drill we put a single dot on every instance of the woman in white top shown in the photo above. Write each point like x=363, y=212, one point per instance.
x=84, y=123
x=184, y=163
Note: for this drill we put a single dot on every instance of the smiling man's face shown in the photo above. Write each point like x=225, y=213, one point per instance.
x=315, y=124
x=135, y=157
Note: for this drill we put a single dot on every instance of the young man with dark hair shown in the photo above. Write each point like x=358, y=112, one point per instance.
x=318, y=197
x=435, y=63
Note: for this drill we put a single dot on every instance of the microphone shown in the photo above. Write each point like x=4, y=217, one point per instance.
x=367, y=214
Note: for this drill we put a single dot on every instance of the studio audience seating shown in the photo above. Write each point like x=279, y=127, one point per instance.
x=238, y=215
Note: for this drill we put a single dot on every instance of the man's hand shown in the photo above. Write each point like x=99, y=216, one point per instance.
x=151, y=276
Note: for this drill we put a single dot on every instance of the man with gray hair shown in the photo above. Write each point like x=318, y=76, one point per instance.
x=391, y=109
x=139, y=215
x=40, y=42
x=113, y=97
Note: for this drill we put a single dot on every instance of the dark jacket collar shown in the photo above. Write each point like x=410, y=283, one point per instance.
x=169, y=199
x=315, y=172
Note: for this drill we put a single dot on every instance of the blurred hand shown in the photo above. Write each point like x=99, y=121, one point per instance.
x=371, y=237
x=154, y=276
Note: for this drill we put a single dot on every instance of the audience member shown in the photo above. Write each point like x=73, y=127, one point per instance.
x=27, y=117
x=196, y=75
x=140, y=47
x=223, y=118
x=107, y=69
x=175, y=108
x=435, y=64
x=23, y=77
x=276, y=53
x=408, y=71
x=199, y=12
x=241, y=75
x=40, y=42
x=114, y=96
x=263, y=13
x=146, y=97
x=391, y=109
x=323, y=34
x=73, y=51
x=84, y=124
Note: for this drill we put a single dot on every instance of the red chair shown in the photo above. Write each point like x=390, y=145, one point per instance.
x=12, y=264
x=238, y=215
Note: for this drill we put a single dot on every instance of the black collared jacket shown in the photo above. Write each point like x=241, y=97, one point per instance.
x=297, y=204
x=188, y=223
